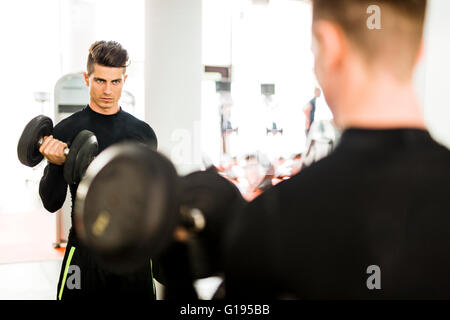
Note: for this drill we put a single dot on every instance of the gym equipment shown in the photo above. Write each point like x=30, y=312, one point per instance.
x=274, y=130
x=213, y=198
x=223, y=89
x=82, y=150
x=322, y=139
x=270, y=103
x=131, y=202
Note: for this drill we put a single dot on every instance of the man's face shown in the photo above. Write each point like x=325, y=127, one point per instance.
x=105, y=86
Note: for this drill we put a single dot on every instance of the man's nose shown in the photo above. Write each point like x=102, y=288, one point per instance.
x=108, y=88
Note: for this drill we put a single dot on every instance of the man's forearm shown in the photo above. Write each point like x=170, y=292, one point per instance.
x=53, y=188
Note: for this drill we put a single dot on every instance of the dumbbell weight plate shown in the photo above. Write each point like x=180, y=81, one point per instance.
x=217, y=198
x=126, y=206
x=82, y=150
x=28, y=146
x=86, y=155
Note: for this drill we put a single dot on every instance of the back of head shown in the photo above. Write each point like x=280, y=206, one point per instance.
x=108, y=54
x=384, y=32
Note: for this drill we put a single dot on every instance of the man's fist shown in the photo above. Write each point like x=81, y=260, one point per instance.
x=53, y=150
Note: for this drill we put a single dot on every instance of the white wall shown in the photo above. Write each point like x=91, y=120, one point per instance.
x=173, y=70
x=271, y=44
x=30, y=63
x=437, y=70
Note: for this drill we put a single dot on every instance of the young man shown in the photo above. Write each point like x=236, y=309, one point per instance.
x=370, y=221
x=105, y=77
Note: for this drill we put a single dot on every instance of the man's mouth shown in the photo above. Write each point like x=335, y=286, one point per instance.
x=106, y=99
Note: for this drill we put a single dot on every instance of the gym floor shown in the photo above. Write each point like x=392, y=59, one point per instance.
x=29, y=280
x=29, y=265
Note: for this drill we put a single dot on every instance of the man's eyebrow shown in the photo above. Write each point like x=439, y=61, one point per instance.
x=96, y=79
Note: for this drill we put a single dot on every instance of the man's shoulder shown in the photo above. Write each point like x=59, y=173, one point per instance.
x=440, y=148
x=140, y=128
x=136, y=122
x=323, y=168
x=133, y=119
x=434, y=159
x=309, y=180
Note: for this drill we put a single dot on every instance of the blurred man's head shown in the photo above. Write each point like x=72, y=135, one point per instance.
x=349, y=48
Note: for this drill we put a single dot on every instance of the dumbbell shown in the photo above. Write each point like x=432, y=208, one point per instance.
x=82, y=150
x=131, y=202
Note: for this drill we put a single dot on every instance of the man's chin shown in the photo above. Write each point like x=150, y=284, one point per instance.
x=106, y=105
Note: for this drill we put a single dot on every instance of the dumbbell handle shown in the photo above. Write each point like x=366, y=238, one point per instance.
x=192, y=218
x=66, y=150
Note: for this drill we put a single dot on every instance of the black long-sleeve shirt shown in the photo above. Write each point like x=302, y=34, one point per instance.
x=381, y=199
x=96, y=282
x=109, y=129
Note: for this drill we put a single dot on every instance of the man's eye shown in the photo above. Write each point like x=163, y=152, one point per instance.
x=116, y=81
x=99, y=81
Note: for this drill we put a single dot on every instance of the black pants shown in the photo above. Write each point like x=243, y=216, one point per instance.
x=81, y=278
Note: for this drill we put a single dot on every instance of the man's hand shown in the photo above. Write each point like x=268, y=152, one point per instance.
x=53, y=150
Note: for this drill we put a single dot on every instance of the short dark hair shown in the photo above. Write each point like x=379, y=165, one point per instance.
x=399, y=38
x=108, y=54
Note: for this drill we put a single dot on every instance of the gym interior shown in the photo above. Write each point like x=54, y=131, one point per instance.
x=222, y=83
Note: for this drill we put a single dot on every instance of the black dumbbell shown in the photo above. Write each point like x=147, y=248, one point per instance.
x=82, y=150
x=208, y=196
x=131, y=201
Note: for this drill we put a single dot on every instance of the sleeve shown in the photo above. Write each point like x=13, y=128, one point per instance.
x=252, y=249
x=149, y=136
x=53, y=187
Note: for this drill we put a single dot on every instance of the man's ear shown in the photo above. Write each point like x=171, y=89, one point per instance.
x=330, y=43
x=86, y=79
x=125, y=76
